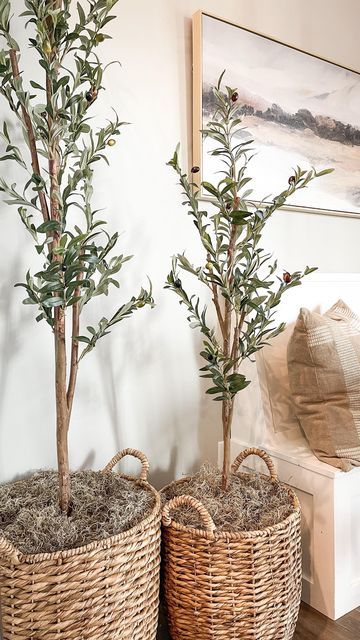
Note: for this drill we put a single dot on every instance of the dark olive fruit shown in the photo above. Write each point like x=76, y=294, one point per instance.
x=286, y=277
x=63, y=267
x=291, y=180
x=234, y=96
x=91, y=95
x=195, y=169
x=177, y=283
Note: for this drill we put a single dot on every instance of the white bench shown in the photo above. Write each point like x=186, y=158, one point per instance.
x=330, y=498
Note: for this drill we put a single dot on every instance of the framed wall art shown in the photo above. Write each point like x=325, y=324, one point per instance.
x=298, y=108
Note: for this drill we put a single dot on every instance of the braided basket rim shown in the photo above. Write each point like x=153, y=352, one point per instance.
x=238, y=535
x=104, y=543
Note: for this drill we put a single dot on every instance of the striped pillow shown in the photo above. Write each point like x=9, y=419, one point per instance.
x=324, y=377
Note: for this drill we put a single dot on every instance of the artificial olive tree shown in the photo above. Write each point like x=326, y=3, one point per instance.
x=240, y=274
x=61, y=147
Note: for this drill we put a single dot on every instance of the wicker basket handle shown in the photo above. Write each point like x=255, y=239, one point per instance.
x=191, y=502
x=130, y=452
x=8, y=550
x=257, y=452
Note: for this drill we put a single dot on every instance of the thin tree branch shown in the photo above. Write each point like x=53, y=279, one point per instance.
x=74, y=359
x=235, y=346
x=32, y=142
x=218, y=309
x=228, y=309
x=216, y=302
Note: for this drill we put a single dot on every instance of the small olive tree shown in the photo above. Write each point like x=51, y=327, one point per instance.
x=239, y=273
x=60, y=150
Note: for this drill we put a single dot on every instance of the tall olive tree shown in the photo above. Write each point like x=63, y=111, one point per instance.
x=54, y=202
x=239, y=273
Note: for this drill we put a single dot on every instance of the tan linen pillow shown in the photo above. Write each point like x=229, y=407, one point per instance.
x=324, y=377
x=274, y=385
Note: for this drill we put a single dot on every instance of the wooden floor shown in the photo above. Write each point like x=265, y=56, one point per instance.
x=314, y=626
x=311, y=626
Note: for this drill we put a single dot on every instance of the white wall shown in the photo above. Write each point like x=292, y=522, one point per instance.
x=141, y=387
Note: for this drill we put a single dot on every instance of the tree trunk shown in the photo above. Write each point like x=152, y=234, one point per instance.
x=62, y=410
x=226, y=439
x=228, y=403
x=227, y=416
x=62, y=413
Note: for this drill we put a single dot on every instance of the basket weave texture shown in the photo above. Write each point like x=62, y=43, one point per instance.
x=105, y=590
x=232, y=586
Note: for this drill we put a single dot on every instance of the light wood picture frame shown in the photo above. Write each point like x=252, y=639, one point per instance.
x=300, y=109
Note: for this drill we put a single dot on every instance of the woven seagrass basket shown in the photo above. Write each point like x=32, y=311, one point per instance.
x=105, y=590
x=238, y=586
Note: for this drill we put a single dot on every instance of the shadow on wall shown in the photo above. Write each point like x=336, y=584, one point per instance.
x=191, y=420
x=210, y=423
x=156, y=401
x=111, y=389
x=140, y=413
x=88, y=462
x=11, y=328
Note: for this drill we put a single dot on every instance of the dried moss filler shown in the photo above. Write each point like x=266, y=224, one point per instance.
x=224, y=583
x=103, y=505
x=250, y=503
x=104, y=589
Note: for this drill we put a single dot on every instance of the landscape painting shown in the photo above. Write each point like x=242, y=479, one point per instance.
x=298, y=109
